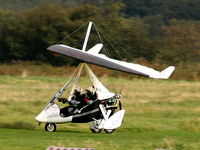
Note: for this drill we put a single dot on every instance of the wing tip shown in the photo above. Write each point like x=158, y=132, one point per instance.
x=165, y=74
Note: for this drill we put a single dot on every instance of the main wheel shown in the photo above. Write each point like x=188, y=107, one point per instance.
x=51, y=127
x=109, y=130
x=96, y=130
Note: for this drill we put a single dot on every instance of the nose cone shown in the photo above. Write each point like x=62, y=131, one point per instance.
x=42, y=117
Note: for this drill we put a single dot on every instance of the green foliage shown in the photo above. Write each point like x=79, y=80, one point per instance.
x=5, y=18
x=144, y=31
x=184, y=41
x=29, y=33
x=180, y=9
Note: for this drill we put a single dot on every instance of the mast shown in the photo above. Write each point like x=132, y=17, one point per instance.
x=87, y=36
x=81, y=64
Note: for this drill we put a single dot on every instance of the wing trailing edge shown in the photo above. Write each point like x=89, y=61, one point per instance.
x=93, y=56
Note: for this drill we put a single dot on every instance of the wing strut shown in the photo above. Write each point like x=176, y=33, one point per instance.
x=76, y=80
x=102, y=91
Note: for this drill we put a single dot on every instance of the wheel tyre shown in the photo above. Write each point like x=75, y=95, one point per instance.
x=51, y=127
x=109, y=131
x=96, y=130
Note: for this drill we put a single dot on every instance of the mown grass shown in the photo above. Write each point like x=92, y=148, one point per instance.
x=159, y=114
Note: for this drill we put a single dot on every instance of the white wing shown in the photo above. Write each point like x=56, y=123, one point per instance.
x=92, y=56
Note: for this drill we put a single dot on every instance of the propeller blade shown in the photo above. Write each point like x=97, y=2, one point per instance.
x=120, y=105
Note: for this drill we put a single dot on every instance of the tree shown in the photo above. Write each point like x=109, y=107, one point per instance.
x=183, y=40
x=5, y=19
x=30, y=32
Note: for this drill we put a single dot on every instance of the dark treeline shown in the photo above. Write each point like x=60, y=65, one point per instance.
x=179, y=9
x=158, y=32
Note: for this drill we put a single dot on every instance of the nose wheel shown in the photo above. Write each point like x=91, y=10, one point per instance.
x=51, y=127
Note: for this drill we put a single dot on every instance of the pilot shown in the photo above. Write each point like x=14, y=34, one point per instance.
x=76, y=98
x=90, y=97
x=73, y=103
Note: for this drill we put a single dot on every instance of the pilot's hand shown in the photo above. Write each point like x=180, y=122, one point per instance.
x=63, y=100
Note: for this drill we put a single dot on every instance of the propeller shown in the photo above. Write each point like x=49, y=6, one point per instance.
x=120, y=105
x=120, y=93
x=118, y=96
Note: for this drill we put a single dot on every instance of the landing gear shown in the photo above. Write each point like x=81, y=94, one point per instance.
x=96, y=130
x=51, y=127
x=109, y=131
x=97, y=127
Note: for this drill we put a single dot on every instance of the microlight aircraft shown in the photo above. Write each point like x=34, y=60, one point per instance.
x=99, y=106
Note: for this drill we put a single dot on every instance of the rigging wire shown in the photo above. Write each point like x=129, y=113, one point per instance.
x=107, y=52
x=72, y=32
x=101, y=38
x=51, y=60
x=117, y=42
x=113, y=47
x=80, y=40
x=101, y=31
x=107, y=38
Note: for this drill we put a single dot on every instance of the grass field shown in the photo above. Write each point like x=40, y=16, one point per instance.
x=159, y=114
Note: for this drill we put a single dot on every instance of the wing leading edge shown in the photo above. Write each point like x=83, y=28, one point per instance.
x=92, y=56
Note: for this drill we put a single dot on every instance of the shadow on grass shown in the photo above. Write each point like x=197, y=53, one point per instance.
x=72, y=131
x=17, y=125
x=138, y=129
